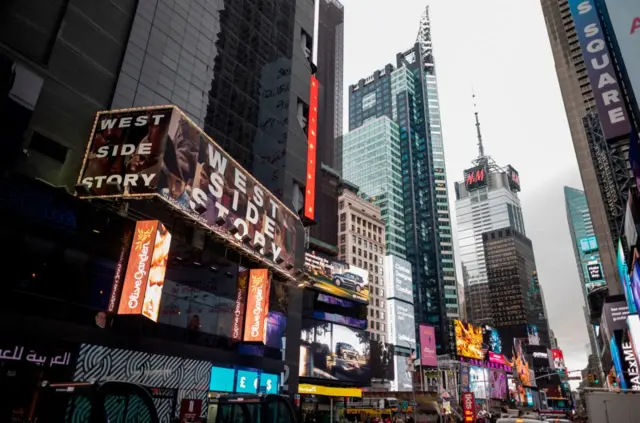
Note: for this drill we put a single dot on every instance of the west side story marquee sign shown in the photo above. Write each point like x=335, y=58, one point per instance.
x=159, y=152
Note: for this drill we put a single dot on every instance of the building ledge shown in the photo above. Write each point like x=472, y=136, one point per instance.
x=316, y=244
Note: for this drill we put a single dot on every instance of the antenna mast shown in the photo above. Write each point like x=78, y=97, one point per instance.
x=480, y=146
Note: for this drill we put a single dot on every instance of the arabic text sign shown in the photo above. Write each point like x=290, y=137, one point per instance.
x=32, y=355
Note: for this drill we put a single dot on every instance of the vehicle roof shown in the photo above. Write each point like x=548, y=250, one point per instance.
x=517, y=420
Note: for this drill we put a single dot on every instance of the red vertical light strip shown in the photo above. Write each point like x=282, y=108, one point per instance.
x=310, y=191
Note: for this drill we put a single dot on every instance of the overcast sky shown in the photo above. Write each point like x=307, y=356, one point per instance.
x=500, y=49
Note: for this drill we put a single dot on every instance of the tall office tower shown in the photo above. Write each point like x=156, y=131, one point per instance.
x=515, y=297
x=361, y=237
x=372, y=157
x=407, y=95
x=597, y=117
x=486, y=200
x=323, y=235
x=586, y=252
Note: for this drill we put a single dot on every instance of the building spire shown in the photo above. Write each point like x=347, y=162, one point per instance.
x=475, y=112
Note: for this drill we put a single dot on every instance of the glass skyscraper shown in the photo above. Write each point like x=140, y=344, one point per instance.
x=493, y=206
x=375, y=148
x=407, y=95
x=585, y=249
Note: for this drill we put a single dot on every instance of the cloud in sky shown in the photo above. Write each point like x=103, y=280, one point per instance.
x=498, y=49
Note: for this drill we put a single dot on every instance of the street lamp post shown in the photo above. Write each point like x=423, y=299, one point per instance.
x=411, y=369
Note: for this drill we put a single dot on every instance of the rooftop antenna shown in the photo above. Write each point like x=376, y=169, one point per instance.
x=475, y=112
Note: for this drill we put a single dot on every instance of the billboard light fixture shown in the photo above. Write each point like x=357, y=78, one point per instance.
x=114, y=188
x=82, y=189
x=246, y=238
x=220, y=221
x=200, y=208
x=269, y=255
x=287, y=266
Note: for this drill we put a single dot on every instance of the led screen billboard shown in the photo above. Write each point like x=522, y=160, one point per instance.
x=533, y=335
x=159, y=152
x=497, y=384
x=397, y=279
x=428, y=356
x=491, y=338
x=625, y=20
x=475, y=178
x=468, y=340
x=614, y=317
x=623, y=270
x=478, y=381
x=403, y=377
x=594, y=270
x=310, y=189
x=255, y=324
x=144, y=277
x=558, y=359
x=401, y=324
x=608, y=96
x=635, y=284
x=336, y=277
x=334, y=352
x=243, y=381
x=514, y=178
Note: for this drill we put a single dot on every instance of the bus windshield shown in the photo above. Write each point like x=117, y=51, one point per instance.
x=94, y=403
x=250, y=409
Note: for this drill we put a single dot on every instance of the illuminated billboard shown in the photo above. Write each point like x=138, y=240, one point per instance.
x=159, y=152
x=310, y=189
x=588, y=244
x=237, y=328
x=336, y=277
x=144, y=278
x=623, y=271
x=514, y=178
x=401, y=324
x=625, y=20
x=255, y=324
x=475, y=178
x=468, y=340
x=607, y=94
x=398, y=281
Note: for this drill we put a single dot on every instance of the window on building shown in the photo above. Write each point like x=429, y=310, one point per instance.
x=353, y=249
x=343, y=227
x=359, y=263
x=353, y=261
x=359, y=251
x=341, y=205
x=343, y=238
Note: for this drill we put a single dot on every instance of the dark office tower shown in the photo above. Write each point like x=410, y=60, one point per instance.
x=399, y=107
x=515, y=295
x=599, y=126
x=324, y=235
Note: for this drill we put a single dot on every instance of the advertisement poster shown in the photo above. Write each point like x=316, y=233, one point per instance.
x=468, y=340
x=403, y=379
x=398, y=281
x=614, y=317
x=237, y=328
x=533, y=335
x=625, y=19
x=475, y=178
x=428, y=356
x=491, y=337
x=161, y=152
x=336, y=277
x=255, y=324
x=144, y=278
x=558, y=359
x=401, y=324
x=190, y=409
x=334, y=352
x=468, y=407
x=623, y=270
x=478, y=381
x=613, y=115
x=497, y=384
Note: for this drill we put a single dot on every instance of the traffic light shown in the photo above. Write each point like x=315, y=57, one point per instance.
x=590, y=378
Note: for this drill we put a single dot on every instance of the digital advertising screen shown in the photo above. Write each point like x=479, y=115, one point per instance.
x=336, y=278
x=334, y=352
x=635, y=284
x=497, y=384
x=594, y=270
x=533, y=335
x=401, y=323
x=491, y=337
x=225, y=379
x=402, y=381
x=475, y=178
x=468, y=340
x=428, y=353
x=381, y=362
x=398, y=281
x=623, y=270
x=514, y=178
x=478, y=381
